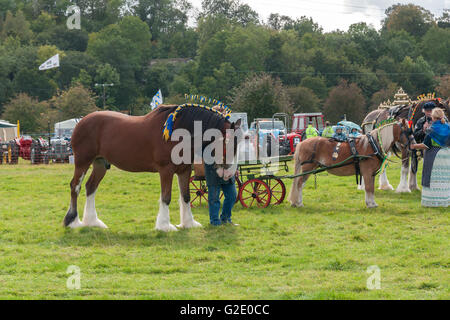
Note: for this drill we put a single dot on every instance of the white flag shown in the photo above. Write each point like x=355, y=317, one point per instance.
x=157, y=99
x=53, y=62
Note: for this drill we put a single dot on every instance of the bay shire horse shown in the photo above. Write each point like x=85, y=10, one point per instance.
x=318, y=152
x=412, y=113
x=136, y=144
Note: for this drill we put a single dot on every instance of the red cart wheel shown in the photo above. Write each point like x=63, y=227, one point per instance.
x=254, y=191
x=199, y=192
x=277, y=190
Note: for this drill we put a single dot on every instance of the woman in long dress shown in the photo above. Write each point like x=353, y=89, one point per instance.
x=436, y=162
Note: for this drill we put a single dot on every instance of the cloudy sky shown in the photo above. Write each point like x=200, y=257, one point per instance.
x=335, y=14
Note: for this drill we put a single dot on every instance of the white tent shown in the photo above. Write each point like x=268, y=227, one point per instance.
x=8, y=131
x=65, y=128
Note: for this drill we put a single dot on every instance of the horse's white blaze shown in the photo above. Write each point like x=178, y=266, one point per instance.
x=186, y=217
x=90, y=218
x=163, y=218
x=403, y=185
x=384, y=182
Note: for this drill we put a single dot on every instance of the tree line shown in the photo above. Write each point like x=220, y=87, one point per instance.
x=228, y=53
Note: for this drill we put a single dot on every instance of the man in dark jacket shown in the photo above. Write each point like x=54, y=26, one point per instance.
x=424, y=123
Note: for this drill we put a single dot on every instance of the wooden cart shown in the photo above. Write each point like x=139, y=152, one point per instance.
x=257, y=185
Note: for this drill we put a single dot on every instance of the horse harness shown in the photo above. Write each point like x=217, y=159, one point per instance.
x=355, y=157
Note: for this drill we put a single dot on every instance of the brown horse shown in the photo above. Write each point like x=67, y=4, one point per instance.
x=317, y=152
x=136, y=144
x=412, y=112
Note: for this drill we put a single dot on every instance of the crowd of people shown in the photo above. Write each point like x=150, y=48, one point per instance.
x=337, y=132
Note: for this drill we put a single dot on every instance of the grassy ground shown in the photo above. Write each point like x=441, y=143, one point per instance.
x=321, y=251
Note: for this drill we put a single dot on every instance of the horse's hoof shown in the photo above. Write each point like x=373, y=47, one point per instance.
x=403, y=190
x=96, y=223
x=297, y=205
x=386, y=187
x=167, y=228
x=193, y=224
x=371, y=205
x=75, y=224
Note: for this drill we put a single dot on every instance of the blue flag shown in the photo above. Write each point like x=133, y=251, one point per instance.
x=157, y=99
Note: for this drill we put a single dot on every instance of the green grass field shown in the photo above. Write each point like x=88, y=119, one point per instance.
x=321, y=251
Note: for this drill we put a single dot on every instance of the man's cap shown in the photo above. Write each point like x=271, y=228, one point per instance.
x=429, y=106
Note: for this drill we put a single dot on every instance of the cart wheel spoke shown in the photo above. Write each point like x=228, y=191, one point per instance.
x=258, y=191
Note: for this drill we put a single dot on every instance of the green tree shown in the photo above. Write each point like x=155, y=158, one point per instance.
x=303, y=99
x=383, y=95
x=107, y=74
x=84, y=79
x=232, y=10
x=71, y=66
x=303, y=25
x=345, y=99
x=416, y=76
x=163, y=16
x=260, y=96
x=436, y=45
x=75, y=102
x=444, y=20
x=25, y=109
x=16, y=26
x=126, y=47
x=409, y=17
x=443, y=88
x=316, y=84
x=279, y=22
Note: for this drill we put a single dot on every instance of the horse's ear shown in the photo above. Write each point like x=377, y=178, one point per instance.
x=236, y=125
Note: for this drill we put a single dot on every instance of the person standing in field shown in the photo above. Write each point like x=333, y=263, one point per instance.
x=328, y=131
x=436, y=162
x=311, y=131
x=215, y=184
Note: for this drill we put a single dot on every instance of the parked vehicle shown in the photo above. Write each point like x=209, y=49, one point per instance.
x=300, y=122
x=240, y=115
x=60, y=150
x=39, y=151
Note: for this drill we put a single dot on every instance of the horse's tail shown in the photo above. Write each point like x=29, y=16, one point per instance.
x=294, y=193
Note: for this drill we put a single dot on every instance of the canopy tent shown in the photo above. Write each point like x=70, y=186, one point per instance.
x=8, y=131
x=65, y=128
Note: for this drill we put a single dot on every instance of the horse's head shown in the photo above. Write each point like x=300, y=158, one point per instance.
x=403, y=135
x=232, y=135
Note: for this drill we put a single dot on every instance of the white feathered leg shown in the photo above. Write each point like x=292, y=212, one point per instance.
x=163, y=218
x=90, y=218
x=186, y=218
x=384, y=182
x=403, y=185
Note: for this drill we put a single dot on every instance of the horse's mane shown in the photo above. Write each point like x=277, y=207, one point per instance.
x=386, y=134
x=401, y=111
x=187, y=115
